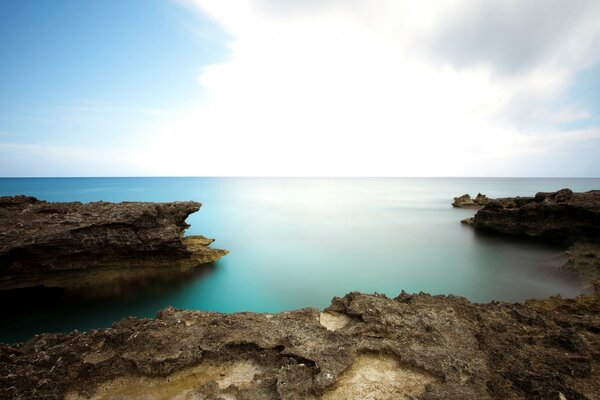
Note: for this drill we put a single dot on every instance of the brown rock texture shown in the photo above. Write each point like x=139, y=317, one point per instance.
x=362, y=346
x=465, y=201
x=77, y=244
x=560, y=217
x=584, y=261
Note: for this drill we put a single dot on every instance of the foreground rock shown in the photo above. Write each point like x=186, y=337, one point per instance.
x=465, y=201
x=362, y=346
x=75, y=244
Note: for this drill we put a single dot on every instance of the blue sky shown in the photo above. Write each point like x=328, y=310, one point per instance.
x=89, y=73
x=265, y=87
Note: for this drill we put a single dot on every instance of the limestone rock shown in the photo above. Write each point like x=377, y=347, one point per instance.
x=413, y=346
x=76, y=244
x=584, y=261
x=465, y=201
x=561, y=217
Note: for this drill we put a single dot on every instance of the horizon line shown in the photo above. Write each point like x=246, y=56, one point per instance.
x=296, y=177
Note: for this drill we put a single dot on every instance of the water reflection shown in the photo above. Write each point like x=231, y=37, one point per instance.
x=41, y=309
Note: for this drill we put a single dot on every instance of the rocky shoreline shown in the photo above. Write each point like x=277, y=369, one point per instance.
x=560, y=217
x=413, y=346
x=75, y=245
x=563, y=218
x=362, y=346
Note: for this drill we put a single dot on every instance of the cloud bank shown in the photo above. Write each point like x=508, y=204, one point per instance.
x=386, y=88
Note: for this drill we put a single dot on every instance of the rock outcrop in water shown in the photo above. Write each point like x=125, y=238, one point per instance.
x=76, y=244
x=563, y=217
x=560, y=217
x=362, y=346
x=465, y=201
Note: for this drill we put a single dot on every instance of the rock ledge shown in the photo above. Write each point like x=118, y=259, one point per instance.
x=563, y=217
x=76, y=244
x=413, y=346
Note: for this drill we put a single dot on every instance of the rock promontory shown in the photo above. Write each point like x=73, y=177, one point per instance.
x=79, y=244
x=563, y=217
x=559, y=217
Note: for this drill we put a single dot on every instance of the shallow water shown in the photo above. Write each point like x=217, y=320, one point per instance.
x=297, y=242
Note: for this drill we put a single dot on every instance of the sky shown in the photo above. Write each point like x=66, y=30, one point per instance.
x=300, y=88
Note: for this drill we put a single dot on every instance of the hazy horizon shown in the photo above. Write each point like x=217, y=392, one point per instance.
x=293, y=177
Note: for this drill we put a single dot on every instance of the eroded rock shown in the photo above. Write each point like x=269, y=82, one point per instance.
x=333, y=321
x=561, y=217
x=465, y=201
x=77, y=244
x=584, y=261
x=381, y=377
x=414, y=346
x=189, y=383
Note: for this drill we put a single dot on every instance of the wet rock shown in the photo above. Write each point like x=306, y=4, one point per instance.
x=76, y=244
x=414, y=346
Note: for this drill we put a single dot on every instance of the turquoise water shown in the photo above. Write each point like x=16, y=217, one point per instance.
x=298, y=242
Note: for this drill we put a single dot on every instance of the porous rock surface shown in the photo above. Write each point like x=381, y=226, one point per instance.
x=411, y=347
x=77, y=244
x=560, y=217
x=465, y=201
x=584, y=261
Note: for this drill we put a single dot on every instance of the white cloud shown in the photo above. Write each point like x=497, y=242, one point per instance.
x=515, y=36
x=348, y=88
x=571, y=114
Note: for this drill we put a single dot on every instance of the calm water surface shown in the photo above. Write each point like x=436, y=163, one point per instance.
x=298, y=242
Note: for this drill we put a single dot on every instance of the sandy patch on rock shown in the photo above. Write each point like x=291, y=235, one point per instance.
x=379, y=377
x=334, y=321
x=180, y=385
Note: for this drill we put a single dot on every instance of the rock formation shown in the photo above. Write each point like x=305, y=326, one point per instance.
x=76, y=244
x=465, y=201
x=362, y=346
x=584, y=261
x=562, y=217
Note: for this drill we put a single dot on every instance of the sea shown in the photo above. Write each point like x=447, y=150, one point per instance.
x=298, y=242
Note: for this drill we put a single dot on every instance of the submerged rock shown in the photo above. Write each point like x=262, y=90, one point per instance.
x=368, y=346
x=76, y=244
x=465, y=201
